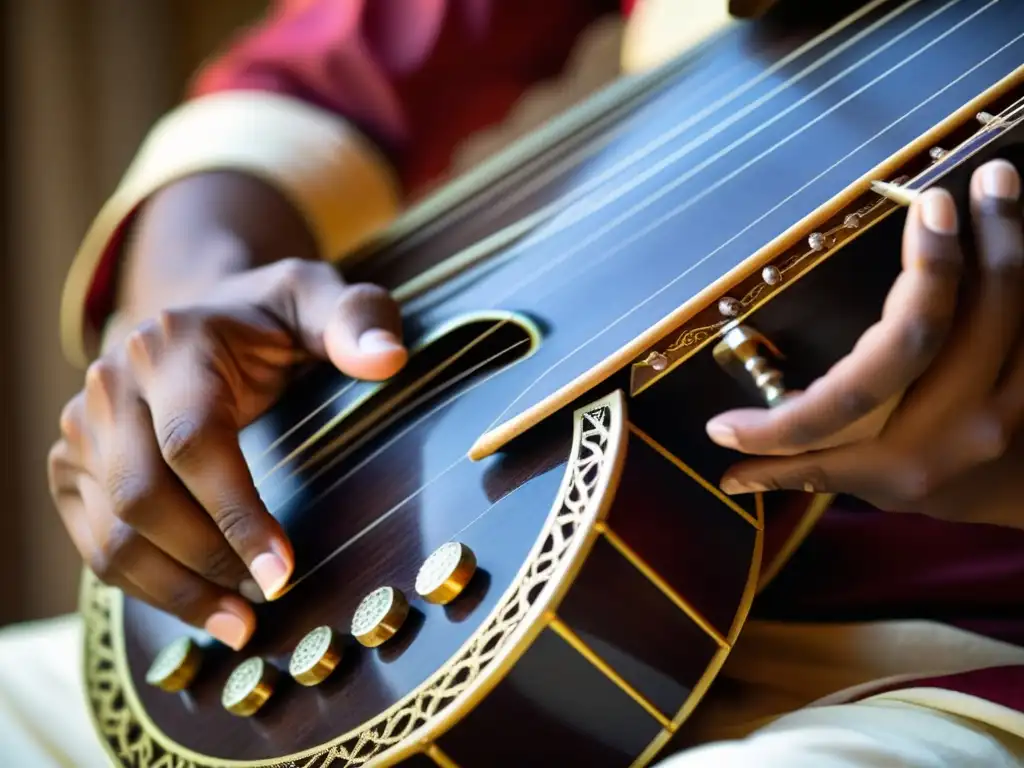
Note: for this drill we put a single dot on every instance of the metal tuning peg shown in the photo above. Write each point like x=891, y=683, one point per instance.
x=444, y=574
x=379, y=616
x=249, y=686
x=741, y=353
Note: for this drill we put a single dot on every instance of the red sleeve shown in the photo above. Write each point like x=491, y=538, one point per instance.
x=416, y=76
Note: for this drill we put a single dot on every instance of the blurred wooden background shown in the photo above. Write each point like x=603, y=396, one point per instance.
x=83, y=81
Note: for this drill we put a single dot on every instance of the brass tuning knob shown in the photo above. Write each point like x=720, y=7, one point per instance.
x=444, y=574
x=316, y=656
x=379, y=616
x=249, y=686
x=743, y=347
x=175, y=666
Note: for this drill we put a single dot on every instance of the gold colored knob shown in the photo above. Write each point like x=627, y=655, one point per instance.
x=248, y=687
x=315, y=657
x=446, y=573
x=743, y=346
x=175, y=666
x=379, y=616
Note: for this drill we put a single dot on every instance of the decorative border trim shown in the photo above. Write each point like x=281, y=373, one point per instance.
x=408, y=727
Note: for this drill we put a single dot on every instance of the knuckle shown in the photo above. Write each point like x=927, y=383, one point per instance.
x=915, y=482
x=58, y=464
x=921, y=336
x=234, y=521
x=71, y=418
x=143, y=344
x=113, y=556
x=990, y=437
x=171, y=324
x=102, y=567
x=184, y=600
x=180, y=439
x=810, y=479
x=294, y=273
x=942, y=257
x=856, y=403
x=1004, y=260
x=222, y=566
x=129, y=495
x=364, y=293
x=101, y=379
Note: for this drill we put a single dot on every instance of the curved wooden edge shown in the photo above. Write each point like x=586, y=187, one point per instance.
x=132, y=738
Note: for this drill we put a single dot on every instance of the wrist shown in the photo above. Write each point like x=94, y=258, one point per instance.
x=152, y=280
x=200, y=230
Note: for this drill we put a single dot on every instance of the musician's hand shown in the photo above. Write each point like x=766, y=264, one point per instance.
x=149, y=477
x=950, y=341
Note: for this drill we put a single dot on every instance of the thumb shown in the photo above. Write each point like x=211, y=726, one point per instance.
x=357, y=327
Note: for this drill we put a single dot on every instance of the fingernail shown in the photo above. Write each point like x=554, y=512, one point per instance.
x=1000, y=179
x=938, y=211
x=731, y=486
x=251, y=591
x=723, y=435
x=228, y=628
x=270, y=573
x=377, y=341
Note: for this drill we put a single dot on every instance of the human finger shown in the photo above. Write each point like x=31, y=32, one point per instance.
x=886, y=360
x=195, y=423
x=357, y=327
x=118, y=555
x=142, y=491
x=867, y=470
x=978, y=350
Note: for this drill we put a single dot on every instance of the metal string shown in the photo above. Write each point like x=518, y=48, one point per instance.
x=678, y=154
x=452, y=466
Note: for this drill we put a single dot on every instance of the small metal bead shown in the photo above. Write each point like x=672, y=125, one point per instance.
x=816, y=241
x=985, y=118
x=729, y=306
x=852, y=221
x=771, y=275
x=657, y=361
x=937, y=153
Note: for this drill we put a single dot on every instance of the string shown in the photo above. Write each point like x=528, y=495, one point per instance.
x=709, y=189
x=538, y=180
x=436, y=477
x=387, y=444
x=640, y=154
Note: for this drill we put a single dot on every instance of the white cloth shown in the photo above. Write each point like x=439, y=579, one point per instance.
x=44, y=718
x=868, y=734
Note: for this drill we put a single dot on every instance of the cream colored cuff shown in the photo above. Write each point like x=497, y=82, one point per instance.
x=336, y=179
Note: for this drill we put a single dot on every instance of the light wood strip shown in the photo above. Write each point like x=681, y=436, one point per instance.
x=436, y=754
x=680, y=464
x=666, y=589
x=562, y=630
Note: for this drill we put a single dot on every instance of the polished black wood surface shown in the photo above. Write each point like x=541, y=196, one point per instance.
x=732, y=166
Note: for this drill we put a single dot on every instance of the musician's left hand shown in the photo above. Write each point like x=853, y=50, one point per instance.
x=950, y=342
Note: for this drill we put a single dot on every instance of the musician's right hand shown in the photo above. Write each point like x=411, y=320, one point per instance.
x=148, y=475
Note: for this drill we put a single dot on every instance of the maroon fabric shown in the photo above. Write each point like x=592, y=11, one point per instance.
x=417, y=76
x=861, y=564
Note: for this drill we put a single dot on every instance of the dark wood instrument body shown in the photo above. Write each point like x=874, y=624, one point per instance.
x=646, y=556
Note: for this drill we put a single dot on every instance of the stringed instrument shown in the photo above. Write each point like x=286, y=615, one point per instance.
x=515, y=551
